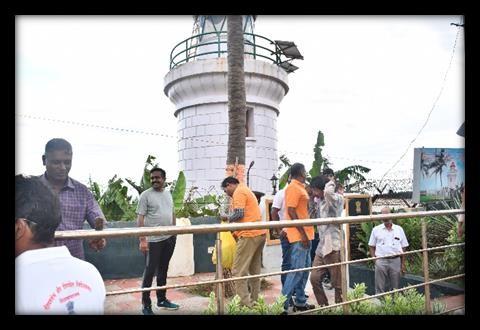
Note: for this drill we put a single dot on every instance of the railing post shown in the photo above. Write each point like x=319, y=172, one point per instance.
x=343, y=271
x=426, y=275
x=219, y=276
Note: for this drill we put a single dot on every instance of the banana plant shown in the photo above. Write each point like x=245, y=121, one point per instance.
x=178, y=191
x=145, y=180
x=284, y=178
x=114, y=201
x=320, y=163
x=352, y=172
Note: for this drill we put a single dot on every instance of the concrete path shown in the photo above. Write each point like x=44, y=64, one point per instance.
x=192, y=304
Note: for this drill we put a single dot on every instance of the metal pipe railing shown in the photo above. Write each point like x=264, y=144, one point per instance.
x=219, y=275
x=214, y=228
x=452, y=310
x=217, y=228
x=381, y=294
x=175, y=286
x=426, y=273
x=220, y=38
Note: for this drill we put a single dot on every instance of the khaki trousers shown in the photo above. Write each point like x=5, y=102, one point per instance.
x=335, y=276
x=248, y=261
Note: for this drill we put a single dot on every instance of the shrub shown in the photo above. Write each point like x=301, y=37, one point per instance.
x=441, y=231
x=260, y=307
x=409, y=302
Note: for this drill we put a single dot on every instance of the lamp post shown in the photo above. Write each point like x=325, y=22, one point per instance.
x=248, y=173
x=274, y=180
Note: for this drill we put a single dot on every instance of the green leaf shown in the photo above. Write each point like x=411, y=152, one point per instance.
x=284, y=179
x=178, y=193
x=318, y=161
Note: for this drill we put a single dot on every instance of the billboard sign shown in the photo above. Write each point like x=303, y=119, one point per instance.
x=438, y=173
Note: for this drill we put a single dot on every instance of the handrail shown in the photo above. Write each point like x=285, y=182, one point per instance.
x=381, y=294
x=214, y=228
x=231, y=279
x=187, y=45
x=217, y=228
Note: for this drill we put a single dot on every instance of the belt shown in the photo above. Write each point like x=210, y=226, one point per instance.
x=395, y=257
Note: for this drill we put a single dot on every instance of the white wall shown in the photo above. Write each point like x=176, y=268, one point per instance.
x=199, y=91
x=182, y=262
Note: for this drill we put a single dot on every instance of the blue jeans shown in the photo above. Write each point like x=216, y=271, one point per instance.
x=299, y=258
x=286, y=254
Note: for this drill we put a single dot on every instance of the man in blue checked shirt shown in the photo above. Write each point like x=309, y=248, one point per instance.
x=77, y=202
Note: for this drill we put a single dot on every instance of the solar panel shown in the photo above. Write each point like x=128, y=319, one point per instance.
x=287, y=66
x=289, y=49
x=461, y=130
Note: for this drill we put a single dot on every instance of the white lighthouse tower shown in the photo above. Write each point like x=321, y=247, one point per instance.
x=452, y=179
x=197, y=85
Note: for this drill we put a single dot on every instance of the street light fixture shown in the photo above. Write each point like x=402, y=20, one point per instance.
x=274, y=180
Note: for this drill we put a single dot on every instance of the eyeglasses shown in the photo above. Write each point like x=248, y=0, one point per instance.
x=30, y=223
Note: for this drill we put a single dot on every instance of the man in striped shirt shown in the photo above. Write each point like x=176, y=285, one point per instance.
x=77, y=202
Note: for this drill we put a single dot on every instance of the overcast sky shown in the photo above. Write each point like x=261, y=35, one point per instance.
x=367, y=82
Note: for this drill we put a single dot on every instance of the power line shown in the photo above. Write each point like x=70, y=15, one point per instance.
x=431, y=110
x=153, y=133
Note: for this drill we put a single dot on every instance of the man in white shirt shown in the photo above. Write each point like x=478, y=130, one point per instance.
x=48, y=279
x=387, y=239
x=278, y=213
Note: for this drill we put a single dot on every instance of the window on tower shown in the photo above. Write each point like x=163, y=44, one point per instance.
x=249, y=123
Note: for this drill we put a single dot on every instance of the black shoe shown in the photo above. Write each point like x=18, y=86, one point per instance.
x=284, y=313
x=295, y=296
x=167, y=304
x=291, y=303
x=303, y=308
x=147, y=310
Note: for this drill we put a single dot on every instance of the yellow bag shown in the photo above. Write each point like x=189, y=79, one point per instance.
x=229, y=247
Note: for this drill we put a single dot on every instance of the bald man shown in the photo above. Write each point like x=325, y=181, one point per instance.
x=386, y=239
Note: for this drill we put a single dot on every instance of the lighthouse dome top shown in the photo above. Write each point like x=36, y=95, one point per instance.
x=218, y=23
x=209, y=40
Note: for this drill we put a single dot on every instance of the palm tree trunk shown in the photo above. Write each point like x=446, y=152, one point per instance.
x=236, y=98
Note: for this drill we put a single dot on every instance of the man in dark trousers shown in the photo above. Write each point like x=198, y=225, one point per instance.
x=155, y=208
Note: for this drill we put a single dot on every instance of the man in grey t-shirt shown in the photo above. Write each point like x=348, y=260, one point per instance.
x=155, y=208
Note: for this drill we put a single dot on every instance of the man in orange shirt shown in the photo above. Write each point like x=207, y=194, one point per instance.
x=250, y=243
x=296, y=202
